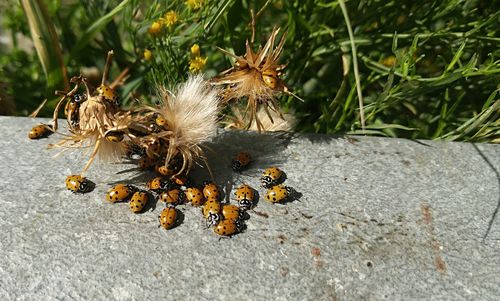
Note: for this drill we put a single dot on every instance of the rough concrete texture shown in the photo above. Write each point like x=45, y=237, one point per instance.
x=378, y=219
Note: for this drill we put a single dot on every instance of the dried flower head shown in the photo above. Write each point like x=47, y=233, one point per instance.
x=190, y=118
x=95, y=122
x=255, y=76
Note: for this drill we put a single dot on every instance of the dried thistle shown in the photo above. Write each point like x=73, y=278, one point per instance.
x=187, y=118
x=256, y=77
x=95, y=122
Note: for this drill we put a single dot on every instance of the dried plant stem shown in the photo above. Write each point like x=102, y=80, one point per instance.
x=354, y=64
x=106, y=67
x=92, y=156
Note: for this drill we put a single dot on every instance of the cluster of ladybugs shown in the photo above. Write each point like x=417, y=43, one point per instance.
x=225, y=218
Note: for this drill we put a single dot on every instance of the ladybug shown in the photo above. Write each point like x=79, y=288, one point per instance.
x=245, y=196
x=228, y=227
x=211, y=211
x=211, y=190
x=270, y=78
x=240, y=161
x=171, y=196
x=40, y=131
x=108, y=93
x=230, y=211
x=72, y=108
x=138, y=201
x=168, y=217
x=155, y=183
x=120, y=192
x=77, y=183
x=240, y=65
x=180, y=180
x=114, y=136
x=194, y=196
x=271, y=177
x=146, y=162
x=153, y=148
x=163, y=170
x=278, y=193
x=162, y=122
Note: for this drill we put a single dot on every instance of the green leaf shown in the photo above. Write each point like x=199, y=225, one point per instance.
x=96, y=27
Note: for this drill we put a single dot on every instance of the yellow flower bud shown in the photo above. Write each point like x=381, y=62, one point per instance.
x=155, y=28
x=195, y=50
x=148, y=55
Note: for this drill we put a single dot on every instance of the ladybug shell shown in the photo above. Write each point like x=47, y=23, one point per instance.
x=114, y=136
x=77, y=183
x=119, y=192
x=168, y=217
x=180, y=180
x=153, y=149
x=138, y=201
x=277, y=194
x=162, y=122
x=194, y=196
x=164, y=170
x=170, y=196
x=244, y=192
x=155, y=183
x=240, y=161
x=211, y=207
x=230, y=211
x=270, y=78
x=146, y=162
x=271, y=176
x=108, y=93
x=39, y=131
x=227, y=227
x=211, y=190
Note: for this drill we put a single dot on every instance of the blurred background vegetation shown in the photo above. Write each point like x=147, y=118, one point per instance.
x=427, y=69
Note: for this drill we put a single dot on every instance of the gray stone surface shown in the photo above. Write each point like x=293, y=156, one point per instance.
x=378, y=219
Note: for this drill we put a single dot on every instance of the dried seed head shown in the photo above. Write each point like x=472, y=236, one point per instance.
x=256, y=78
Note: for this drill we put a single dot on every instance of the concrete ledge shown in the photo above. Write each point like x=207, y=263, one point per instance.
x=378, y=219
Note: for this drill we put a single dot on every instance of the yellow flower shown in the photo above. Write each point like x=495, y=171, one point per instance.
x=148, y=55
x=194, y=4
x=170, y=18
x=195, y=50
x=197, y=64
x=155, y=28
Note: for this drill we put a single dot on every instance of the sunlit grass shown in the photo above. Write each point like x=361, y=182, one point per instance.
x=426, y=70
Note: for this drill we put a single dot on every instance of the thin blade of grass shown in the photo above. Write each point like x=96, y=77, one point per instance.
x=354, y=63
x=473, y=122
x=96, y=27
x=46, y=44
x=389, y=126
x=211, y=22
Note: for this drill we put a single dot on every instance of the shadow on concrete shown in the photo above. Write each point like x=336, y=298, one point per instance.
x=497, y=174
x=266, y=149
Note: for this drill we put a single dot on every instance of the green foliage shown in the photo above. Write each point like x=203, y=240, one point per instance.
x=428, y=69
